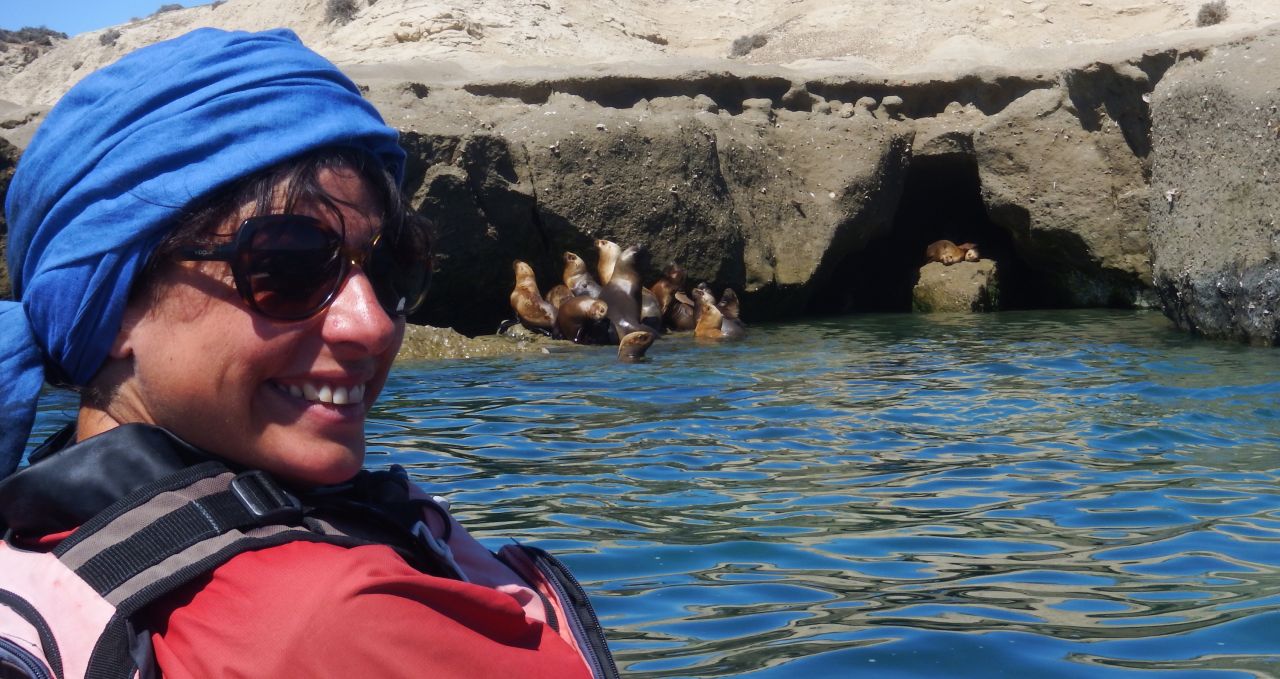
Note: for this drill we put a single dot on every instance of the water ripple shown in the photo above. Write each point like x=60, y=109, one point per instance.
x=1062, y=494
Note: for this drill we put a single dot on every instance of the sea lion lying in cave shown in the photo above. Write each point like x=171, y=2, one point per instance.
x=949, y=253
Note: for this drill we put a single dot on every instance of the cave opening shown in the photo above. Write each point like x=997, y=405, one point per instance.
x=941, y=199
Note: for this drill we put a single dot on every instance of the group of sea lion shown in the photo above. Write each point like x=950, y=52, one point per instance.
x=616, y=308
x=949, y=253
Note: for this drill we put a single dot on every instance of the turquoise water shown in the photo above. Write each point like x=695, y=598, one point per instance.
x=1065, y=494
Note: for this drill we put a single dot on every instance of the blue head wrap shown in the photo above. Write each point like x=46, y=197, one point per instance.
x=114, y=164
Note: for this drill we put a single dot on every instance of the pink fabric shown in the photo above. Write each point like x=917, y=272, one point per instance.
x=73, y=610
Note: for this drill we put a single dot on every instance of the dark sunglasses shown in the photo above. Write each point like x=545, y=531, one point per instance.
x=290, y=267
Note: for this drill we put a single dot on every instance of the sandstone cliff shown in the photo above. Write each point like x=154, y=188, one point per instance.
x=808, y=171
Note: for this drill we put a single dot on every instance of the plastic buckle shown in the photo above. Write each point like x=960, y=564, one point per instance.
x=441, y=550
x=264, y=498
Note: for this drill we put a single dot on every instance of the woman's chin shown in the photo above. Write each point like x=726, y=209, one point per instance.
x=320, y=471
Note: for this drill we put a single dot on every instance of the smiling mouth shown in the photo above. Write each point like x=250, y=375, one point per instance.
x=325, y=393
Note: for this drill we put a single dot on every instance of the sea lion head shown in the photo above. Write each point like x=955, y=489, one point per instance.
x=522, y=270
x=573, y=262
x=607, y=247
x=675, y=273
x=631, y=254
x=729, y=302
x=608, y=258
x=597, y=310
x=633, y=345
x=702, y=295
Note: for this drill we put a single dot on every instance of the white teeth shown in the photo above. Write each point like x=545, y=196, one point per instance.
x=327, y=393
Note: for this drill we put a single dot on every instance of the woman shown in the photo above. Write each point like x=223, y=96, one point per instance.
x=208, y=241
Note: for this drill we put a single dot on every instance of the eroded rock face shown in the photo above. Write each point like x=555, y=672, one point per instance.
x=820, y=195
x=1215, y=238
x=966, y=286
x=1062, y=172
x=767, y=201
x=792, y=197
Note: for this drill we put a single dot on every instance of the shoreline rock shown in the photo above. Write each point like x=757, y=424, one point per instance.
x=811, y=187
x=1214, y=230
x=964, y=286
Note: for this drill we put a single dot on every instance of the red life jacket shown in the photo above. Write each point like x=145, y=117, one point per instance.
x=71, y=612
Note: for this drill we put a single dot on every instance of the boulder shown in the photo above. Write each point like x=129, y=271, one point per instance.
x=1215, y=238
x=966, y=286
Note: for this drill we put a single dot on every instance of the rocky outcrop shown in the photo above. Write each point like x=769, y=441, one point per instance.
x=806, y=195
x=1216, y=241
x=962, y=287
x=423, y=343
x=818, y=194
x=8, y=161
x=766, y=200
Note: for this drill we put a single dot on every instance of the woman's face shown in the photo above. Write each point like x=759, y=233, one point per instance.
x=255, y=390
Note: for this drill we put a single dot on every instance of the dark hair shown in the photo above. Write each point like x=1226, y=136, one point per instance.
x=299, y=181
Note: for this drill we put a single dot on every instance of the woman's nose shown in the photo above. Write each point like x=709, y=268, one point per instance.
x=356, y=317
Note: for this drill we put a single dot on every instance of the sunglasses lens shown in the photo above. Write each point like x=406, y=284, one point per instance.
x=292, y=266
x=400, y=268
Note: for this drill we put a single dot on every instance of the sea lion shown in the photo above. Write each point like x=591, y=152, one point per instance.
x=578, y=278
x=729, y=303
x=709, y=315
x=622, y=293
x=632, y=347
x=970, y=252
x=582, y=320
x=650, y=310
x=730, y=325
x=712, y=322
x=943, y=251
x=533, y=311
x=609, y=253
x=682, y=315
x=666, y=287
x=558, y=295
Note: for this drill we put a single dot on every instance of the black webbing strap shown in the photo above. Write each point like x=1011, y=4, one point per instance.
x=195, y=520
x=175, y=482
x=185, y=527
x=174, y=530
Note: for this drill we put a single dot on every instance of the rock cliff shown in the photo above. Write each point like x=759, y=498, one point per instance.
x=809, y=170
x=1214, y=231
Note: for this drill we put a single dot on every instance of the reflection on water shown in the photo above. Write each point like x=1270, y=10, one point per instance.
x=1020, y=494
